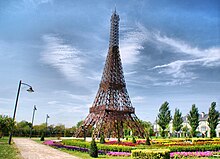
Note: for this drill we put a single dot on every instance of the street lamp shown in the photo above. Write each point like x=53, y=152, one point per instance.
x=47, y=116
x=32, y=120
x=30, y=89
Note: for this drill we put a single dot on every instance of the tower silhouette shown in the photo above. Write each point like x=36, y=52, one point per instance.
x=112, y=109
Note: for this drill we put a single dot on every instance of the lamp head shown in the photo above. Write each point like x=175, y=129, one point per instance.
x=30, y=89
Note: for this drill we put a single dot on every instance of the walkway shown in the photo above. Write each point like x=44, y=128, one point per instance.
x=30, y=149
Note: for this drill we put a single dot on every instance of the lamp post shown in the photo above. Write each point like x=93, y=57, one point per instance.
x=30, y=89
x=32, y=120
x=156, y=128
x=47, y=116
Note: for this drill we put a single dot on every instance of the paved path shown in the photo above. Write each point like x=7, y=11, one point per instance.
x=30, y=149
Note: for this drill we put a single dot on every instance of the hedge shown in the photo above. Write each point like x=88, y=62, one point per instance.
x=195, y=148
x=152, y=154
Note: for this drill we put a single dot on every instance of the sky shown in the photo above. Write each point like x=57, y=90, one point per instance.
x=170, y=51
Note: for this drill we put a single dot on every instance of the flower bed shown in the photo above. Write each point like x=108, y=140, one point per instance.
x=73, y=148
x=126, y=154
x=104, y=147
x=121, y=143
x=192, y=154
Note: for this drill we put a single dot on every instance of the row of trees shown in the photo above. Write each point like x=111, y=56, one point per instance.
x=164, y=118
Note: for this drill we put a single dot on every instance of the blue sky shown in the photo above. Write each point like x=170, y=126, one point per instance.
x=170, y=51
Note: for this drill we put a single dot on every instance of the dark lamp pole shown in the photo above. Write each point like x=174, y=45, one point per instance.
x=30, y=89
x=32, y=120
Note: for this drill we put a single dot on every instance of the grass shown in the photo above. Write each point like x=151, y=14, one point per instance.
x=8, y=151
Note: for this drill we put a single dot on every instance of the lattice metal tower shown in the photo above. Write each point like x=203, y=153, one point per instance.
x=112, y=109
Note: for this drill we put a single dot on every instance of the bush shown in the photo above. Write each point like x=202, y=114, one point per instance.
x=42, y=137
x=102, y=139
x=93, y=152
x=147, y=140
x=195, y=148
x=133, y=140
x=151, y=153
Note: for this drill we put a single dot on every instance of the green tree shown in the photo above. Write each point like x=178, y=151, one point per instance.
x=164, y=117
x=59, y=130
x=148, y=127
x=79, y=124
x=193, y=118
x=177, y=120
x=213, y=119
x=6, y=124
x=22, y=128
x=93, y=152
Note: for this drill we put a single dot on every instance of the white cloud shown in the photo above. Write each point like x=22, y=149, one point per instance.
x=131, y=45
x=178, y=69
x=63, y=57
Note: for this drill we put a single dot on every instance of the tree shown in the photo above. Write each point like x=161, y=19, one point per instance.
x=93, y=152
x=177, y=120
x=193, y=118
x=164, y=117
x=213, y=119
x=79, y=124
x=6, y=124
x=22, y=128
x=148, y=127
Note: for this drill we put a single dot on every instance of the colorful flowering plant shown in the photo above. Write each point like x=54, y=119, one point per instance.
x=191, y=154
x=126, y=154
x=121, y=143
x=127, y=143
x=74, y=148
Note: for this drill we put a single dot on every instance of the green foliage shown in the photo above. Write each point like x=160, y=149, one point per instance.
x=193, y=118
x=133, y=140
x=22, y=128
x=148, y=141
x=164, y=117
x=213, y=119
x=102, y=139
x=42, y=137
x=148, y=127
x=151, y=153
x=79, y=124
x=93, y=152
x=6, y=125
x=177, y=120
x=195, y=148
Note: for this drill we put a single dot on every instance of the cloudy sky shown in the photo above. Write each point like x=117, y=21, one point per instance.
x=170, y=51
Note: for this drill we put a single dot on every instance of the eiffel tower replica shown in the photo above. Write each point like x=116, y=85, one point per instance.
x=112, y=109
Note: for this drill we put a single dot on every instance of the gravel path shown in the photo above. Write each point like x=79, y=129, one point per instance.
x=30, y=149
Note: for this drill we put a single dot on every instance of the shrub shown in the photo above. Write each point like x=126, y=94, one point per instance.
x=152, y=154
x=93, y=152
x=102, y=139
x=133, y=140
x=42, y=137
x=195, y=148
x=147, y=140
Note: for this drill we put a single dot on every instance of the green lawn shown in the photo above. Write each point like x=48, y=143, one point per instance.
x=8, y=151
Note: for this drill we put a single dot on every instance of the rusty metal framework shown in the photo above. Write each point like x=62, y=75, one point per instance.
x=112, y=109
